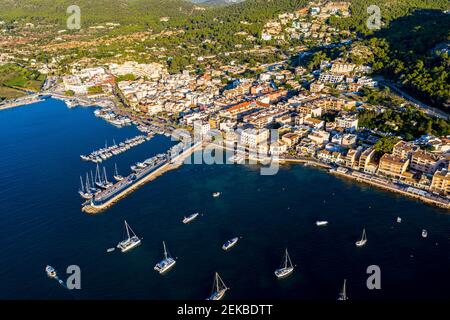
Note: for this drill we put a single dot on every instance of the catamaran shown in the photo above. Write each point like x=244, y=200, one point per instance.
x=219, y=288
x=343, y=293
x=51, y=272
x=167, y=263
x=190, y=218
x=286, y=267
x=363, y=240
x=230, y=243
x=131, y=241
x=321, y=223
x=117, y=176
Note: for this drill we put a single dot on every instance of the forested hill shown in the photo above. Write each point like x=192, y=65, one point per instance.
x=95, y=11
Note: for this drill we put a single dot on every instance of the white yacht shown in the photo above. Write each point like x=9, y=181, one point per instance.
x=130, y=242
x=216, y=194
x=51, y=272
x=399, y=220
x=286, y=267
x=363, y=240
x=321, y=223
x=230, y=244
x=167, y=263
x=190, y=218
x=219, y=288
x=343, y=293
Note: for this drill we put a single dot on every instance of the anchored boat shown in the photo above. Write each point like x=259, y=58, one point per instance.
x=167, y=263
x=216, y=194
x=51, y=272
x=230, y=243
x=424, y=233
x=219, y=288
x=130, y=242
x=321, y=223
x=286, y=267
x=190, y=218
x=363, y=240
x=343, y=293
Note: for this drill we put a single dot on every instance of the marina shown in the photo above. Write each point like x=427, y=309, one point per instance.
x=143, y=172
x=115, y=149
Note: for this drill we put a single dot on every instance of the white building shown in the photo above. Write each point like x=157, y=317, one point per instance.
x=253, y=137
x=348, y=122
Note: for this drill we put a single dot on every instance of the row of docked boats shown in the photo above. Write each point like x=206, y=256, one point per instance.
x=92, y=186
x=107, y=152
x=108, y=115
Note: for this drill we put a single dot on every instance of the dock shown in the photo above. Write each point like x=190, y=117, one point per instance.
x=91, y=208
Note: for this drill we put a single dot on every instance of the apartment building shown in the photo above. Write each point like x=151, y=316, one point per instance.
x=393, y=166
x=441, y=182
x=424, y=161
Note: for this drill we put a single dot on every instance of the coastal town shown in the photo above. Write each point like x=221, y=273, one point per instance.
x=291, y=111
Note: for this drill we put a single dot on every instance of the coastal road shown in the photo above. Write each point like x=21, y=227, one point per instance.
x=429, y=110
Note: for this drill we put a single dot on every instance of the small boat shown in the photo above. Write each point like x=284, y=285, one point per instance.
x=110, y=250
x=51, y=272
x=219, y=288
x=321, y=223
x=216, y=194
x=190, y=218
x=130, y=242
x=167, y=263
x=399, y=220
x=343, y=293
x=230, y=244
x=363, y=240
x=286, y=267
x=117, y=176
x=424, y=233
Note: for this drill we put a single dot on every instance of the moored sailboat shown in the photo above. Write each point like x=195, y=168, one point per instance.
x=131, y=241
x=286, y=266
x=117, y=176
x=343, y=293
x=363, y=240
x=167, y=263
x=219, y=288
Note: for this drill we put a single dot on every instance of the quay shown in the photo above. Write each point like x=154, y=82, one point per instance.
x=23, y=101
x=91, y=207
x=382, y=183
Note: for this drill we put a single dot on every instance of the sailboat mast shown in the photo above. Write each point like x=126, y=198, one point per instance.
x=126, y=227
x=88, y=187
x=217, y=282
x=165, y=250
x=92, y=180
x=106, y=177
x=344, y=293
x=82, y=185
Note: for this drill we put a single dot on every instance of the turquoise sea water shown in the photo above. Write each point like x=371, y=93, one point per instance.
x=41, y=223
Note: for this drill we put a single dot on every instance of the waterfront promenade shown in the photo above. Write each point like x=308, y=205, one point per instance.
x=384, y=184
